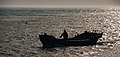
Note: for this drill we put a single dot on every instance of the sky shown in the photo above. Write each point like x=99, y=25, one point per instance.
x=58, y=3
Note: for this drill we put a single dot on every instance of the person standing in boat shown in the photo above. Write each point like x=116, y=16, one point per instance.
x=65, y=35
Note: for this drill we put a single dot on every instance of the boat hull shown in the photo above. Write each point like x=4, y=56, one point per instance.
x=61, y=42
x=80, y=40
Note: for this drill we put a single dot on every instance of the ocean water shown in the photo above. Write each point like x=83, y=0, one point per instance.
x=20, y=27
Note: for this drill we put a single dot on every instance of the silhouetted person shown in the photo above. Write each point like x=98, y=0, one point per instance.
x=64, y=34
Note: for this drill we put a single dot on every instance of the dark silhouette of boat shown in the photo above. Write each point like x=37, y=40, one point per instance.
x=84, y=39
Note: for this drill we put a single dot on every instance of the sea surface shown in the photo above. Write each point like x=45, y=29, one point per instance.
x=20, y=27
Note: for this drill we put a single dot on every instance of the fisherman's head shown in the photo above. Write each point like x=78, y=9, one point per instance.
x=64, y=30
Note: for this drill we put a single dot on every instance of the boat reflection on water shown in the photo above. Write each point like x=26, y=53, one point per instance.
x=84, y=39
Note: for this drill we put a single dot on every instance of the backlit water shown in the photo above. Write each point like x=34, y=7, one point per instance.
x=19, y=28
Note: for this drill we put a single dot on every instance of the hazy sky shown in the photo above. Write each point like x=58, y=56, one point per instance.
x=57, y=3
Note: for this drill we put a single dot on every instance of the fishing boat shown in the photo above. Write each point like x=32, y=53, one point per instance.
x=84, y=39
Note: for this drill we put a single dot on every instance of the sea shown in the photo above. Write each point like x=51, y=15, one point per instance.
x=20, y=27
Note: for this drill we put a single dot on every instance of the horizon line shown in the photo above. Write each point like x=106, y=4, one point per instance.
x=84, y=6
